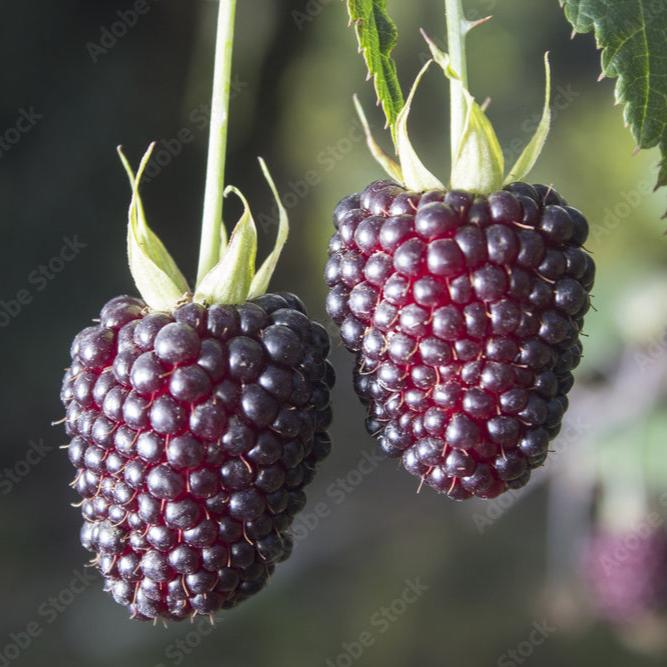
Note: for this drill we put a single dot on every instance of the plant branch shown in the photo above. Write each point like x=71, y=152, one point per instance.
x=456, y=38
x=211, y=238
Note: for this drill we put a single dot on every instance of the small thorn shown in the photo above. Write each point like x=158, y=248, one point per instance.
x=485, y=105
x=602, y=77
x=573, y=34
x=60, y=421
x=635, y=151
x=471, y=25
x=63, y=447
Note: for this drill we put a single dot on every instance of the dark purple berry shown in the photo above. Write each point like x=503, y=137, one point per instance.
x=193, y=436
x=464, y=312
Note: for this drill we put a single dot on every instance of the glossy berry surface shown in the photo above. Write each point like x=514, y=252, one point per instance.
x=194, y=435
x=464, y=313
x=626, y=573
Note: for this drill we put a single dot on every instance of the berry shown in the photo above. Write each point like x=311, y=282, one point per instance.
x=464, y=313
x=626, y=572
x=193, y=435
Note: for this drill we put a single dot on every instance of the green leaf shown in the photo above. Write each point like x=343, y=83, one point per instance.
x=532, y=152
x=228, y=282
x=260, y=283
x=415, y=175
x=158, y=279
x=377, y=36
x=633, y=37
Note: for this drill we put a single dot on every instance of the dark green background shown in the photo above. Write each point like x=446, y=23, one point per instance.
x=296, y=69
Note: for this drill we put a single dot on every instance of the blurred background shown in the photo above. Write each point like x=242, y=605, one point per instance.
x=569, y=571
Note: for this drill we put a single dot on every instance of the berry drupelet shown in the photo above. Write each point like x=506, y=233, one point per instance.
x=194, y=435
x=464, y=312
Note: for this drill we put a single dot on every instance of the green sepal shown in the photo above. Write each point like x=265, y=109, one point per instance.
x=415, y=175
x=479, y=165
x=228, y=282
x=533, y=150
x=156, y=276
x=390, y=166
x=260, y=282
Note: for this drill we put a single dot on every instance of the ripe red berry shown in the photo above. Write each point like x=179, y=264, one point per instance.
x=194, y=435
x=465, y=313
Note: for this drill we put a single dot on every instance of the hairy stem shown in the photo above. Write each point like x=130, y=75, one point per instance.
x=209, y=252
x=456, y=46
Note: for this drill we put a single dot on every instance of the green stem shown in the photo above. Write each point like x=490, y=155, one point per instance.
x=209, y=252
x=456, y=46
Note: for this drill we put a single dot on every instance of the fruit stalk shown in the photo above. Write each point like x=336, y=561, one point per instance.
x=456, y=37
x=209, y=253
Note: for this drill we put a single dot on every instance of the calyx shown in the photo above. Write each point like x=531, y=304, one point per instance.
x=233, y=280
x=479, y=165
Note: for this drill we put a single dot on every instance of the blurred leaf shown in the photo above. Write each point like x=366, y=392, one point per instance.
x=377, y=36
x=633, y=37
